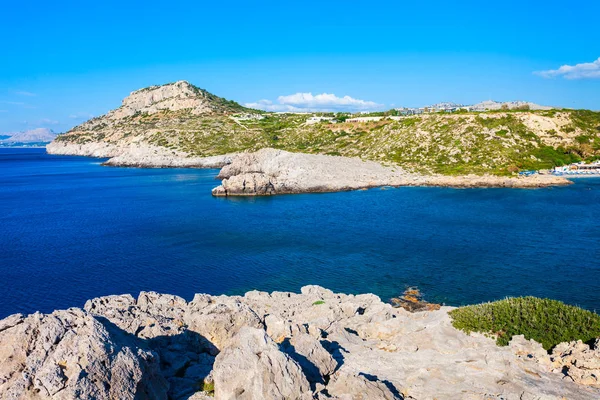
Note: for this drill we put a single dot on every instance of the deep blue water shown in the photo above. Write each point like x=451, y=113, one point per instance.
x=71, y=229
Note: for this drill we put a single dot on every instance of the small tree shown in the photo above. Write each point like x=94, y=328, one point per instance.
x=341, y=117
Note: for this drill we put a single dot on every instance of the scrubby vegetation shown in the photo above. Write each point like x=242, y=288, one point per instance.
x=495, y=142
x=546, y=321
x=207, y=387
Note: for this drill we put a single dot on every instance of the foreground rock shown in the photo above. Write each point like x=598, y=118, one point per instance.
x=70, y=354
x=313, y=345
x=270, y=171
x=253, y=366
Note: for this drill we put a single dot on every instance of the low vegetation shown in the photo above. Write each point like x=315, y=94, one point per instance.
x=495, y=142
x=546, y=321
x=207, y=387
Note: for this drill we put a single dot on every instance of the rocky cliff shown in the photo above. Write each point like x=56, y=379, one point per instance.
x=143, y=117
x=312, y=345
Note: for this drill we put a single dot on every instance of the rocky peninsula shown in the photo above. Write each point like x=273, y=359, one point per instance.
x=313, y=345
x=271, y=171
x=182, y=126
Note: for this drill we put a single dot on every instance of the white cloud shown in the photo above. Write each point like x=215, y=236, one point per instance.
x=25, y=93
x=577, y=71
x=83, y=115
x=47, y=121
x=268, y=105
x=321, y=102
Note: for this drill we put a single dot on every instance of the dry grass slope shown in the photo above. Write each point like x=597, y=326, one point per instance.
x=497, y=142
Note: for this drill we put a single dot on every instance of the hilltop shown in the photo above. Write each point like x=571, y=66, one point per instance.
x=178, y=124
x=491, y=105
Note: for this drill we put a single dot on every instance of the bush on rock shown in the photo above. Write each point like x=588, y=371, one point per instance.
x=546, y=321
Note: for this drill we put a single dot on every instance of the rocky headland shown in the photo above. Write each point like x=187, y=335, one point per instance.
x=181, y=125
x=271, y=171
x=313, y=345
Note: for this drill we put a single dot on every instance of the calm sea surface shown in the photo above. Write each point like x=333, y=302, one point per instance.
x=71, y=230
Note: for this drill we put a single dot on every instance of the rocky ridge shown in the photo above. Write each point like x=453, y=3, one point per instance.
x=510, y=105
x=120, y=131
x=271, y=171
x=312, y=345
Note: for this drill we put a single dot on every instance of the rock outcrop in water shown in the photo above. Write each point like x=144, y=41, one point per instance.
x=313, y=345
x=271, y=171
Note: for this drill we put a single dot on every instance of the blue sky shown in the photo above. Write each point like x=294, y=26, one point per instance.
x=63, y=62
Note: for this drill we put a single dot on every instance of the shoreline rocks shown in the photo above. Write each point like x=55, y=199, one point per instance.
x=138, y=155
x=310, y=345
x=270, y=171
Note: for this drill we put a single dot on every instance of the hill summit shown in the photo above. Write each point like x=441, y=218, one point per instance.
x=180, y=95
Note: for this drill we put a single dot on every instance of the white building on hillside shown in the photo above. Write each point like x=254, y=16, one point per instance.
x=314, y=119
x=364, y=119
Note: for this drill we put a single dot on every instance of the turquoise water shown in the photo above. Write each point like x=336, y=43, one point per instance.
x=71, y=229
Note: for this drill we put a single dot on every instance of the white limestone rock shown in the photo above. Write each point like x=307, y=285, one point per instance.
x=578, y=361
x=270, y=171
x=345, y=386
x=253, y=368
x=69, y=354
x=314, y=344
x=219, y=318
x=316, y=362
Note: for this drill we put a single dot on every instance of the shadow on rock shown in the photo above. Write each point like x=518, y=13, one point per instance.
x=388, y=384
x=186, y=361
x=312, y=372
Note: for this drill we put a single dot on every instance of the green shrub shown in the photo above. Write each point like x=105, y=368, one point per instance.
x=551, y=157
x=546, y=321
x=318, y=302
x=207, y=387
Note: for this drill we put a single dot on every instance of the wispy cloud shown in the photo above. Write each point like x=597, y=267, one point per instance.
x=25, y=93
x=268, y=105
x=12, y=103
x=47, y=121
x=319, y=102
x=577, y=71
x=82, y=115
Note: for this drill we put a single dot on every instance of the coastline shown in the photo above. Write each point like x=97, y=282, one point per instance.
x=270, y=171
x=310, y=345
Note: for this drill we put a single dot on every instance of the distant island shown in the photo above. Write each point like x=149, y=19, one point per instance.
x=488, y=144
x=39, y=137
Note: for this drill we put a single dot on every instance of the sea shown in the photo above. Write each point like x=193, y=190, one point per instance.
x=72, y=229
